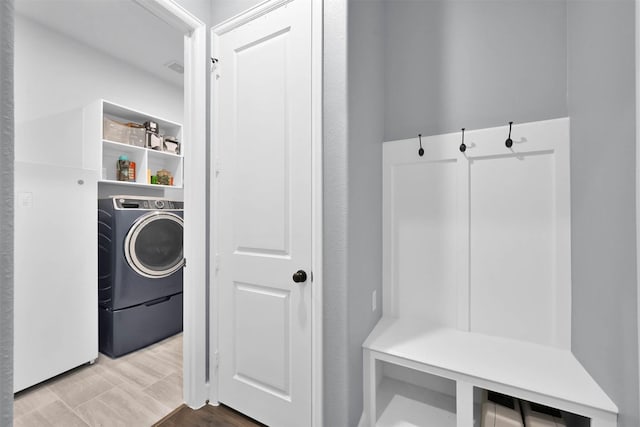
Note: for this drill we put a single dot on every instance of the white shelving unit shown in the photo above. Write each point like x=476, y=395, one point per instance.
x=104, y=154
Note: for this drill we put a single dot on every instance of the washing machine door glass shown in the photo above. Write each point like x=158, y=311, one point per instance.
x=153, y=246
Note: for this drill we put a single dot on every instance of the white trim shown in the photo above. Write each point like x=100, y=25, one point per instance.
x=172, y=13
x=195, y=216
x=317, y=199
x=248, y=15
x=637, y=41
x=214, y=307
x=195, y=190
x=317, y=350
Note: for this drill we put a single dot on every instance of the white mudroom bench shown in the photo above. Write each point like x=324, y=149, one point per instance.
x=533, y=372
x=476, y=280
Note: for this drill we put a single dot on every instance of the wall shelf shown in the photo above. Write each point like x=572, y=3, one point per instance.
x=104, y=153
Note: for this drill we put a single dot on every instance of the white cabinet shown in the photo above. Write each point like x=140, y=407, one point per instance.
x=55, y=302
x=103, y=154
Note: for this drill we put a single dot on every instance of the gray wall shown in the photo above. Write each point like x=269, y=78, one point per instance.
x=335, y=157
x=472, y=64
x=366, y=134
x=6, y=212
x=602, y=108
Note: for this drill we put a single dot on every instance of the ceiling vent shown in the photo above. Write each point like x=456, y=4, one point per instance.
x=175, y=66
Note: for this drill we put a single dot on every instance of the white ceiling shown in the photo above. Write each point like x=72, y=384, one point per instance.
x=120, y=28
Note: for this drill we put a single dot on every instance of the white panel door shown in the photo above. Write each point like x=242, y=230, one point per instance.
x=264, y=215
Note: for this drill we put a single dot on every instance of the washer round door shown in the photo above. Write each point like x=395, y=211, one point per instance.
x=153, y=245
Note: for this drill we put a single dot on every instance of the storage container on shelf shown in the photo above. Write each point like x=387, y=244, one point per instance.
x=125, y=133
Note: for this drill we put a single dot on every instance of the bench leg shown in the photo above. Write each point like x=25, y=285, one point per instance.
x=369, y=388
x=604, y=422
x=464, y=404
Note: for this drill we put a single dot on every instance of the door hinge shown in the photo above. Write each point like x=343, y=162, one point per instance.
x=215, y=67
x=184, y=263
x=216, y=361
x=217, y=166
x=216, y=264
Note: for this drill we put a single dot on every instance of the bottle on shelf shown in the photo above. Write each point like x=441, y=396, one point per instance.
x=132, y=171
x=123, y=168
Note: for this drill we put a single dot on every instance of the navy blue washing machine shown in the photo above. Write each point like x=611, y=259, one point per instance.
x=140, y=262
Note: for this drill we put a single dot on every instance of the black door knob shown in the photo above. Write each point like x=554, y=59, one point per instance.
x=299, y=276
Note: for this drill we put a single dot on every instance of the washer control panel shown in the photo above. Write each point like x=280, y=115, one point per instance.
x=146, y=203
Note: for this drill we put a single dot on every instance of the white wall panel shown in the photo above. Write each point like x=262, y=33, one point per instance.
x=512, y=235
x=424, y=240
x=480, y=239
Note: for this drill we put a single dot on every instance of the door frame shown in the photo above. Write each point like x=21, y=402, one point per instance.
x=637, y=118
x=195, y=387
x=316, y=197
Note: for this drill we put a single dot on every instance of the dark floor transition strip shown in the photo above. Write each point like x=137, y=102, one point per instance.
x=207, y=416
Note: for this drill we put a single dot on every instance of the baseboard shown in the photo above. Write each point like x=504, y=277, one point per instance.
x=361, y=423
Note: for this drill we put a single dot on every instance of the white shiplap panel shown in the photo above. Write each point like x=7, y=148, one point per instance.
x=481, y=236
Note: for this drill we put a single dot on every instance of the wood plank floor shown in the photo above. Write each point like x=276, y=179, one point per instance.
x=135, y=390
x=207, y=416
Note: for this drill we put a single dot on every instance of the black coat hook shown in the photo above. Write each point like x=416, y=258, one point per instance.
x=463, y=147
x=509, y=141
x=421, y=150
